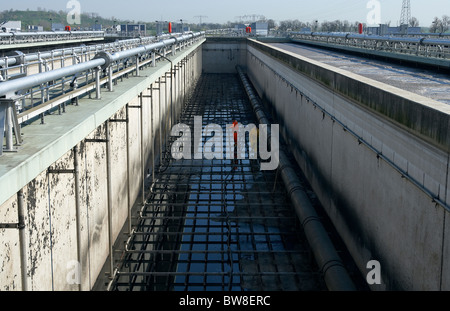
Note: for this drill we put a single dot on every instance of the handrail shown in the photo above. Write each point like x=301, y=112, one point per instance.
x=418, y=46
x=24, y=83
x=10, y=38
x=89, y=72
x=418, y=40
x=17, y=58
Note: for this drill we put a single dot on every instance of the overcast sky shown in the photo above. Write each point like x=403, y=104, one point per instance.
x=229, y=10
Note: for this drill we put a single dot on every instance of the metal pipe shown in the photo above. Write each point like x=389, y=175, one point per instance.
x=143, y=164
x=21, y=211
x=77, y=208
x=151, y=47
x=151, y=132
x=130, y=203
x=5, y=69
x=109, y=199
x=110, y=78
x=335, y=274
x=137, y=66
x=171, y=89
x=9, y=128
x=97, y=83
x=160, y=119
x=41, y=78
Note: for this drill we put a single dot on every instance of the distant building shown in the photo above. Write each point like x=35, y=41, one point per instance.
x=385, y=30
x=58, y=27
x=414, y=30
x=260, y=29
x=180, y=28
x=11, y=26
x=161, y=27
x=133, y=29
x=240, y=28
x=34, y=28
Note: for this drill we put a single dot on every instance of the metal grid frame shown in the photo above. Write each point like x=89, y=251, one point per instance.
x=217, y=225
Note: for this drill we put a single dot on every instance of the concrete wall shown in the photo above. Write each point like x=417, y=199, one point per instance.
x=50, y=234
x=379, y=214
x=221, y=55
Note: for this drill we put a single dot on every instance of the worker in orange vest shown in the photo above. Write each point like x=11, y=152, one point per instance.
x=235, y=129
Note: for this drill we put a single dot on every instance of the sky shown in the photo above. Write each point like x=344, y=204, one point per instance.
x=230, y=10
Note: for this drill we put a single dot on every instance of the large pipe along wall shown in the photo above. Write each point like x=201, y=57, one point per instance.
x=331, y=265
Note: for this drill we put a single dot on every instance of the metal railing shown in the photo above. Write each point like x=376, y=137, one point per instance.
x=218, y=32
x=29, y=97
x=18, y=64
x=415, y=46
x=240, y=33
x=34, y=37
x=442, y=35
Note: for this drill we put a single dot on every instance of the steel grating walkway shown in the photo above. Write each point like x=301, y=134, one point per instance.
x=217, y=225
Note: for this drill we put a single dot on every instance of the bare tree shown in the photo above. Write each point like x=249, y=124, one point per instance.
x=338, y=26
x=285, y=25
x=346, y=26
x=271, y=23
x=293, y=25
x=436, y=25
x=440, y=25
x=445, y=23
x=414, y=22
x=328, y=26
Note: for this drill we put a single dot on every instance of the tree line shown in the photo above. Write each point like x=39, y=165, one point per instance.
x=45, y=18
x=439, y=25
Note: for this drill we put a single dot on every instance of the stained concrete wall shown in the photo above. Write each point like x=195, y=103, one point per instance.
x=379, y=213
x=222, y=55
x=50, y=231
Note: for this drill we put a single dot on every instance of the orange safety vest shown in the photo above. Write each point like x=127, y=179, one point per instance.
x=235, y=127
